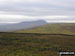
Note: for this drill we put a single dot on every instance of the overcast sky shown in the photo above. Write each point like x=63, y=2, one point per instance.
x=26, y=10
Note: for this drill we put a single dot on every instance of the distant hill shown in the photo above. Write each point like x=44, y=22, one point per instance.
x=22, y=25
x=58, y=28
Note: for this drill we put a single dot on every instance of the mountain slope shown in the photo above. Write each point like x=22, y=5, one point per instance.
x=65, y=28
x=22, y=25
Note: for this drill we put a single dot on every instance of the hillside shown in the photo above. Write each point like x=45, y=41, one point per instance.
x=64, y=28
x=22, y=25
x=45, y=40
x=29, y=44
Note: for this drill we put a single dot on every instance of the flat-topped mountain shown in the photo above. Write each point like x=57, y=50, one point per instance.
x=22, y=25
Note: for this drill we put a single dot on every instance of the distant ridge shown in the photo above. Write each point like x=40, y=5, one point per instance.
x=22, y=25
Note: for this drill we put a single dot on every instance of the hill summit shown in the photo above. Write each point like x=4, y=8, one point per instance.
x=22, y=25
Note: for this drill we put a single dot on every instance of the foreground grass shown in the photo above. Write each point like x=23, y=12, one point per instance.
x=17, y=44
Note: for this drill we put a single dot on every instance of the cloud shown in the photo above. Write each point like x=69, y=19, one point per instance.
x=18, y=18
x=35, y=9
x=39, y=7
x=67, y=21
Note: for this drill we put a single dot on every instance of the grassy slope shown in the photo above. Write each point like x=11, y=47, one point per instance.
x=52, y=28
x=12, y=44
x=19, y=44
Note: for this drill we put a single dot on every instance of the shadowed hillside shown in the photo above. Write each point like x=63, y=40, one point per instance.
x=22, y=25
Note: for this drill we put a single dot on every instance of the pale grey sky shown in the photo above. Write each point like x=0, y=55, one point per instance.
x=26, y=10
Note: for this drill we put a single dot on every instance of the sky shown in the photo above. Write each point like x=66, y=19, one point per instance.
x=14, y=11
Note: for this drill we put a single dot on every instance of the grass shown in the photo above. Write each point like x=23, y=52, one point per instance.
x=23, y=44
x=52, y=28
x=46, y=40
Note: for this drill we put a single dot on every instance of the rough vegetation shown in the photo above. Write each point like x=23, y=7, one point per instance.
x=23, y=44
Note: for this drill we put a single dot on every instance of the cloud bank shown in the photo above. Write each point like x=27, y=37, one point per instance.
x=49, y=10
